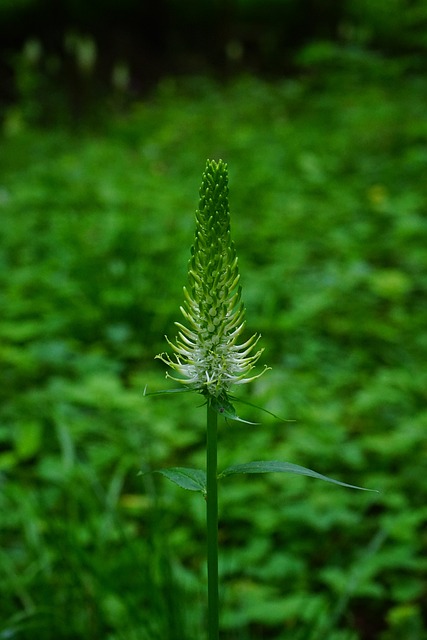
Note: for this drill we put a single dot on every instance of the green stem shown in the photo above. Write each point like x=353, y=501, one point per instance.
x=212, y=522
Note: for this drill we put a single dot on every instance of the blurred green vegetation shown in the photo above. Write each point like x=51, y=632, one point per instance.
x=328, y=205
x=61, y=60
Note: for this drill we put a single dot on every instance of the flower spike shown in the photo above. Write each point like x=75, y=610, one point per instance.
x=206, y=355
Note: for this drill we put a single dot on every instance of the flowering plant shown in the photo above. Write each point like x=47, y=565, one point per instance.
x=206, y=353
x=208, y=357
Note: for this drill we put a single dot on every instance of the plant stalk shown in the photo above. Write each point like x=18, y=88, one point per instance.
x=212, y=522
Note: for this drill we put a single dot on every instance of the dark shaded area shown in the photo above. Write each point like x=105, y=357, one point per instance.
x=72, y=53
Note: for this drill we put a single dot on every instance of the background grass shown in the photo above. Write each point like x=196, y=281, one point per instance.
x=328, y=210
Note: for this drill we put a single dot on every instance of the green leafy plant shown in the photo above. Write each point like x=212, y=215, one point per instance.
x=209, y=360
x=333, y=272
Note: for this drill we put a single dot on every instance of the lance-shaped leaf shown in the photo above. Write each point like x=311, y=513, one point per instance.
x=223, y=406
x=268, y=466
x=191, y=479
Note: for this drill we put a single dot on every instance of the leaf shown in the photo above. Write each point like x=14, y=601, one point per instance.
x=164, y=391
x=191, y=479
x=223, y=406
x=255, y=406
x=268, y=466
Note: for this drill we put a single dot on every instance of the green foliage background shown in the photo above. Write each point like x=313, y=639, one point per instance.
x=328, y=206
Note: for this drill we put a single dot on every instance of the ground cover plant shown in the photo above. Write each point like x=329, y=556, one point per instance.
x=332, y=232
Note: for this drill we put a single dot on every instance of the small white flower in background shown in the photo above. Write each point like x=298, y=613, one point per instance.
x=207, y=355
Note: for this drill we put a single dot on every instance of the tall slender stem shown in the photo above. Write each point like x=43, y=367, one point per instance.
x=212, y=522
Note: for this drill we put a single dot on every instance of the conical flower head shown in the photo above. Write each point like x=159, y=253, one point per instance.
x=207, y=355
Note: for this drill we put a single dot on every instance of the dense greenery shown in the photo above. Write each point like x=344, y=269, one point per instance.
x=328, y=210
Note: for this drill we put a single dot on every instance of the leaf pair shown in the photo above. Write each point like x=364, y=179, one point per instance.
x=195, y=479
x=221, y=405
